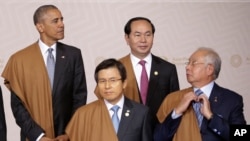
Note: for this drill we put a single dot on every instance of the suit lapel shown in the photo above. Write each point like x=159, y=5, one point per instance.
x=215, y=98
x=126, y=117
x=60, y=66
x=154, y=77
x=215, y=102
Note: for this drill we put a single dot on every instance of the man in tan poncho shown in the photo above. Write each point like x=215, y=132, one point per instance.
x=220, y=107
x=92, y=122
x=42, y=108
x=162, y=75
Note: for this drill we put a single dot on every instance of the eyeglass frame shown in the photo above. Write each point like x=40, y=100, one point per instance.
x=193, y=63
x=110, y=81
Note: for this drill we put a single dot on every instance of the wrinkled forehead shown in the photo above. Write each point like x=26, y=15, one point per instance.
x=198, y=56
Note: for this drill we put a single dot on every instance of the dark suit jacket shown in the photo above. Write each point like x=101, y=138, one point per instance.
x=227, y=108
x=163, y=80
x=3, y=130
x=162, y=84
x=135, y=122
x=69, y=93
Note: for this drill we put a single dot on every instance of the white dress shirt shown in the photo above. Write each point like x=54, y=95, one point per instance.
x=138, y=68
x=120, y=103
x=44, y=49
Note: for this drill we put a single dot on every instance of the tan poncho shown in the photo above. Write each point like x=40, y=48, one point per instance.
x=26, y=75
x=188, y=129
x=91, y=122
x=131, y=90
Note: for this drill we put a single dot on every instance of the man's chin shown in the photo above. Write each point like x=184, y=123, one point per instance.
x=60, y=38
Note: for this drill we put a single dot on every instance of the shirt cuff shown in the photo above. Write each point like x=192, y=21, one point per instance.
x=174, y=115
x=39, y=137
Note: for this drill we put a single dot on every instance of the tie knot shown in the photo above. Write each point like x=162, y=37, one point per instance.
x=198, y=92
x=115, y=108
x=50, y=50
x=142, y=62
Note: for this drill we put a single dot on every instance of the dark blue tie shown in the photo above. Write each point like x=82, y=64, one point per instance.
x=115, y=118
x=197, y=106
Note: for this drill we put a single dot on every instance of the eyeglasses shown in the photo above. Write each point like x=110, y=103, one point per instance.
x=193, y=63
x=111, y=81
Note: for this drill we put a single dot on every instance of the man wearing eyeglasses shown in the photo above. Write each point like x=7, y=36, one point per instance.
x=113, y=117
x=203, y=112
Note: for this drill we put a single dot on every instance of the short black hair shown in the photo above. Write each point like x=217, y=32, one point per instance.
x=127, y=28
x=111, y=63
x=40, y=11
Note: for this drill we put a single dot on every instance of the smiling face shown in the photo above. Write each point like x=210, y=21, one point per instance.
x=110, y=84
x=140, y=39
x=51, y=26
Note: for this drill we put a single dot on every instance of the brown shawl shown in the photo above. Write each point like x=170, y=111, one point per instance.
x=131, y=90
x=91, y=122
x=188, y=129
x=25, y=74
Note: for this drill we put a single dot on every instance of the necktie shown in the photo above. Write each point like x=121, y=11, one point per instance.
x=115, y=118
x=50, y=66
x=144, y=82
x=196, y=106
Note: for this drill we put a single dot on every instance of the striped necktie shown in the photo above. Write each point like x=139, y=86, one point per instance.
x=197, y=106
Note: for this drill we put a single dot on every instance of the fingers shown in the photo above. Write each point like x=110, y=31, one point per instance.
x=185, y=102
x=47, y=139
x=62, y=138
x=203, y=99
x=205, y=106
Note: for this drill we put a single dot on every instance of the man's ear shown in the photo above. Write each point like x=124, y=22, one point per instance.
x=39, y=27
x=210, y=69
x=126, y=36
x=125, y=84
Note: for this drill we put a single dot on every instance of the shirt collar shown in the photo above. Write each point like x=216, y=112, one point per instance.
x=136, y=60
x=119, y=103
x=44, y=47
x=207, y=89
